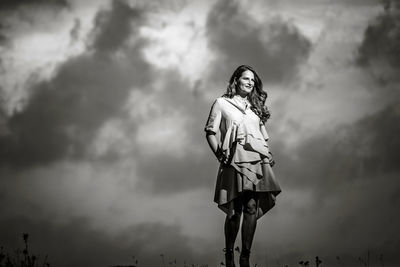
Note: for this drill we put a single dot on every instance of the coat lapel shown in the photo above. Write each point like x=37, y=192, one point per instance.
x=235, y=103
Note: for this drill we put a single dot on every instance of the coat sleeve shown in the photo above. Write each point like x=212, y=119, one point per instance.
x=214, y=118
x=264, y=131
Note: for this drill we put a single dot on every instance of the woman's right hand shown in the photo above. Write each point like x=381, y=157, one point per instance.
x=221, y=157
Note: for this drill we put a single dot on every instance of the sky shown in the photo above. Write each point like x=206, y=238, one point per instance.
x=103, y=155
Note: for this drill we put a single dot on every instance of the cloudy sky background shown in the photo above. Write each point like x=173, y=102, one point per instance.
x=102, y=109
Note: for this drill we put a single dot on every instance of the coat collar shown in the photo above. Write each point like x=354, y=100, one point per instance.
x=238, y=104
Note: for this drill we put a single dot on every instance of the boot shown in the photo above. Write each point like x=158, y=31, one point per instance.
x=244, y=259
x=229, y=257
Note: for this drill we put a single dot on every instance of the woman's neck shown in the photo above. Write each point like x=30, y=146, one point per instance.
x=242, y=95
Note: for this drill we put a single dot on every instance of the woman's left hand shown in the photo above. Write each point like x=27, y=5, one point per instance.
x=271, y=159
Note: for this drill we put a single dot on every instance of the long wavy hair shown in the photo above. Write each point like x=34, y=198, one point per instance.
x=256, y=97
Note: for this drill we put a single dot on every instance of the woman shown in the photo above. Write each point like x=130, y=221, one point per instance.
x=235, y=131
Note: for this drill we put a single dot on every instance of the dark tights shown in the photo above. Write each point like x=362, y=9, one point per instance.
x=246, y=204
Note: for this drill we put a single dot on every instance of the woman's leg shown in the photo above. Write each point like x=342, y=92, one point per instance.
x=232, y=225
x=231, y=228
x=248, y=226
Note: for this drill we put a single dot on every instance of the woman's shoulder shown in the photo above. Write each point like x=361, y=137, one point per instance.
x=219, y=100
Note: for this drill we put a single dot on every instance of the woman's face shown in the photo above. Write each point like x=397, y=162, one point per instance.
x=245, y=83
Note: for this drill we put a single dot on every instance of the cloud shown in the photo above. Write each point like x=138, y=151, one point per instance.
x=379, y=50
x=347, y=225
x=77, y=244
x=118, y=161
x=76, y=211
x=177, y=38
x=3, y=38
x=112, y=29
x=63, y=113
x=23, y=10
x=10, y=4
x=168, y=174
x=75, y=31
x=32, y=46
x=179, y=159
x=367, y=149
x=275, y=48
x=339, y=186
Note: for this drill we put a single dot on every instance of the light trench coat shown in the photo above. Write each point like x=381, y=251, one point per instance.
x=243, y=139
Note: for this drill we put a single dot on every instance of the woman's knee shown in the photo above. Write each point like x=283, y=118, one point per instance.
x=250, y=207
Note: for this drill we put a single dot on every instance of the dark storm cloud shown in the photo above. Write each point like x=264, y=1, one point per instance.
x=348, y=188
x=112, y=29
x=12, y=4
x=275, y=49
x=169, y=175
x=23, y=9
x=77, y=244
x=75, y=31
x=193, y=170
x=64, y=113
x=368, y=149
x=3, y=38
x=348, y=226
x=380, y=49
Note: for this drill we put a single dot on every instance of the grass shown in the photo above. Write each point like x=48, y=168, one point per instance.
x=21, y=258
x=24, y=258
